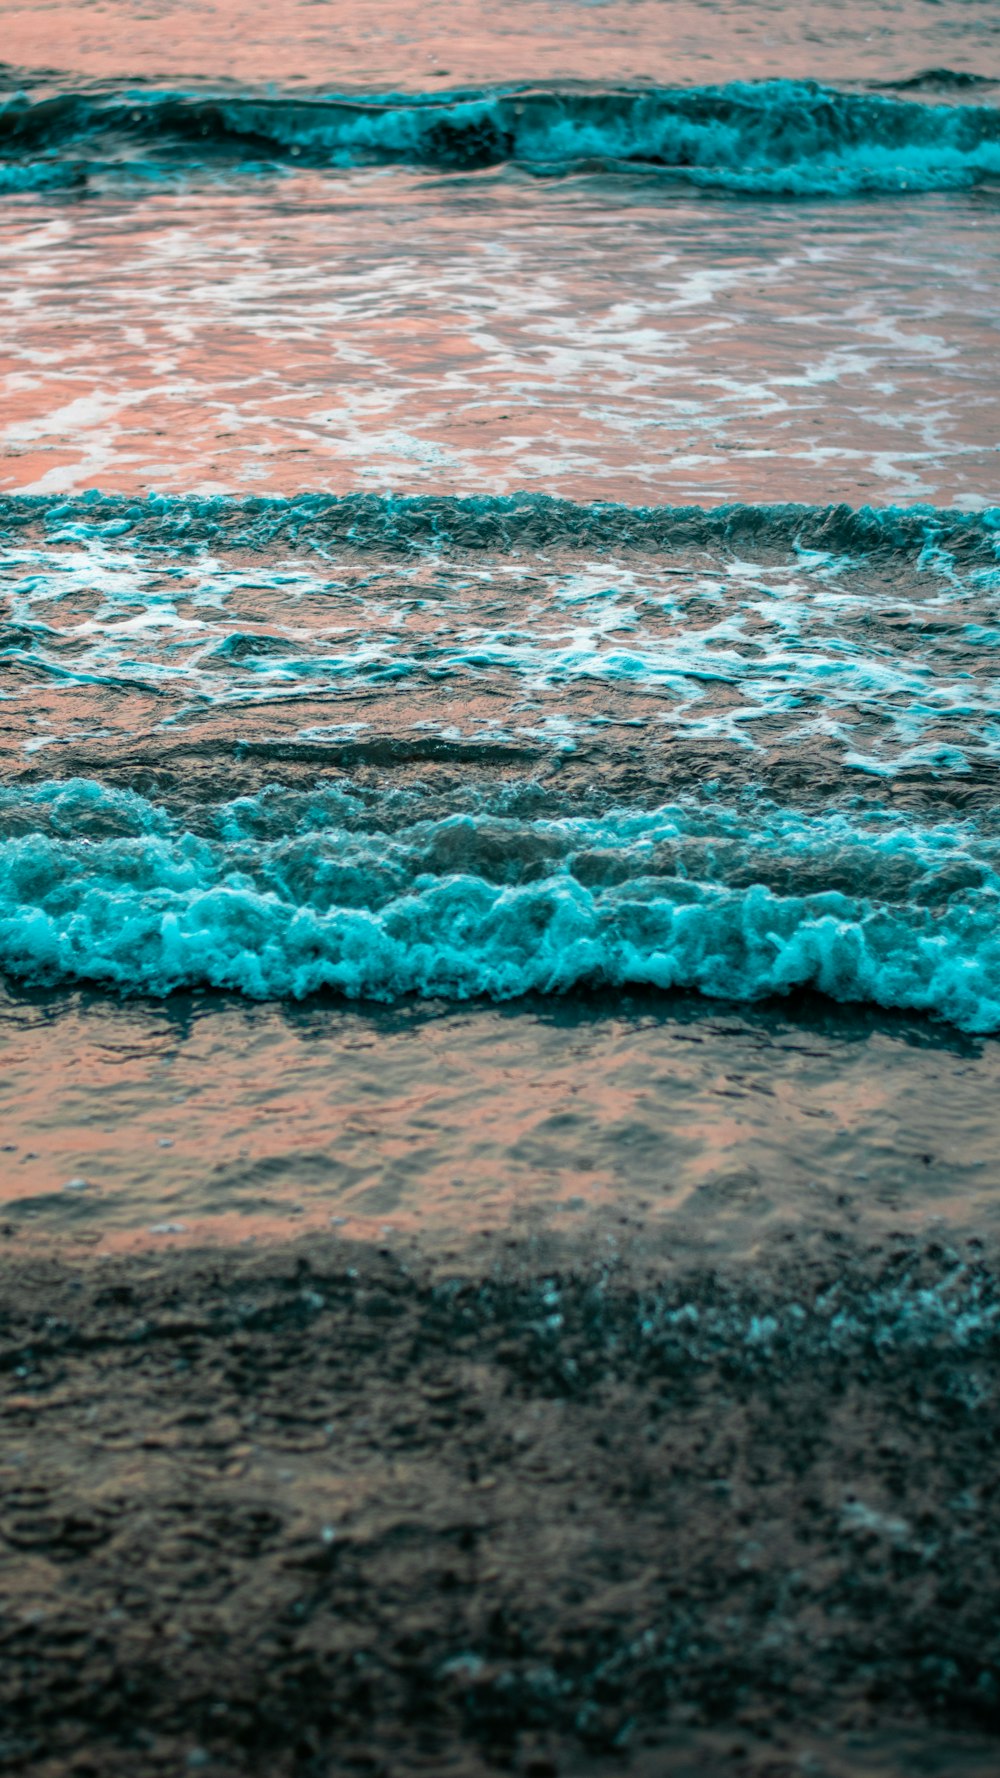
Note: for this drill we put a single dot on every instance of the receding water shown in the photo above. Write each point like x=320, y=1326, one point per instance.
x=206, y=1117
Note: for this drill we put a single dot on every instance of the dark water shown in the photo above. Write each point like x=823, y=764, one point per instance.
x=498, y=511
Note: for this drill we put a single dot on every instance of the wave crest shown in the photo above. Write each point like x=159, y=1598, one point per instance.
x=287, y=894
x=501, y=523
x=780, y=137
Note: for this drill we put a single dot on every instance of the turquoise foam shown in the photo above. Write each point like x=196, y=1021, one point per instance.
x=286, y=894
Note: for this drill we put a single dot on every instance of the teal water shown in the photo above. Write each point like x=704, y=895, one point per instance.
x=289, y=894
x=745, y=752
x=500, y=512
x=777, y=138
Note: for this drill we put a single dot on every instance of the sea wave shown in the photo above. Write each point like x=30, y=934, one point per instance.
x=285, y=894
x=779, y=137
x=40, y=176
x=499, y=523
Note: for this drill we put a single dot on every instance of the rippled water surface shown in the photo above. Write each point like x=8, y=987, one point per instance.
x=310, y=42
x=208, y=1117
x=498, y=515
x=588, y=337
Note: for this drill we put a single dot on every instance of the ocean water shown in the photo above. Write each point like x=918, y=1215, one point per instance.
x=498, y=516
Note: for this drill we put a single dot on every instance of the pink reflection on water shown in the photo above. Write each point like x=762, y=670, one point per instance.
x=370, y=43
x=245, y=1122
x=379, y=331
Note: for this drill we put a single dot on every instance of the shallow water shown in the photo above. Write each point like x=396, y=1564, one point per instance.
x=401, y=601
x=587, y=336
x=769, y=641
x=209, y=1118
x=322, y=42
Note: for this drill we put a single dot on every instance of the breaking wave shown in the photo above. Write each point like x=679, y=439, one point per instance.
x=497, y=522
x=783, y=138
x=287, y=893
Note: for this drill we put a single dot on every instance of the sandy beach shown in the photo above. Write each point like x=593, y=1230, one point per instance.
x=499, y=889
x=327, y=1508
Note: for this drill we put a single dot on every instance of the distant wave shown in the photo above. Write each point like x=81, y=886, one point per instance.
x=937, y=80
x=784, y=138
x=289, y=893
x=495, y=522
x=39, y=176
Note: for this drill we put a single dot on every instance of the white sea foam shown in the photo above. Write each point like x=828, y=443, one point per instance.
x=883, y=674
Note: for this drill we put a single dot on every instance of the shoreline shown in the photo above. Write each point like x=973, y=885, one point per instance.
x=328, y=1507
x=661, y=1119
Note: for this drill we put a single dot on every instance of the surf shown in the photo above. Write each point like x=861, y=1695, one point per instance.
x=779, y=138
x=288, y=894
x=504, y=522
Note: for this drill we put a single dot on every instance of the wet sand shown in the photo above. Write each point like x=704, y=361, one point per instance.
x=535, y=1504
